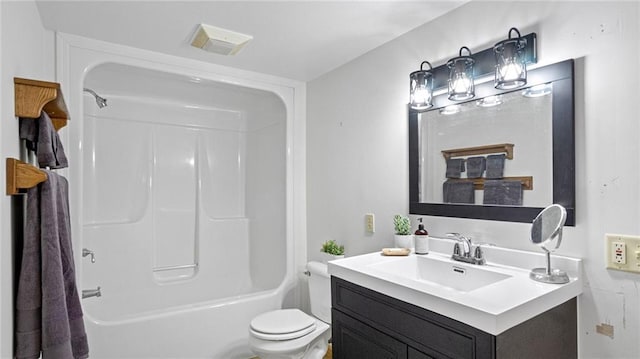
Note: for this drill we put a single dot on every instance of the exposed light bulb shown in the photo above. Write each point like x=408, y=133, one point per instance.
x=461, y=83
x=420, y=96
x=511, y=71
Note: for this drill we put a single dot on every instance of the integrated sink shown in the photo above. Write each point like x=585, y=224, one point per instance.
x=442, y=272
x=492, y=297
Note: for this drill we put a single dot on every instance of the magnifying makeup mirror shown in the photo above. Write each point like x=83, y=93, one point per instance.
x=546, y=231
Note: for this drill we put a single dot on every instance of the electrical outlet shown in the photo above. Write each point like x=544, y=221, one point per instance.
x=619, y=253
x=369, y=223
x=623, y=252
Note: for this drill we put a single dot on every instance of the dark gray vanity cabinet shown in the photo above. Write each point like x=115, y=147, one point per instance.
x=358, y=340
x=370, y=325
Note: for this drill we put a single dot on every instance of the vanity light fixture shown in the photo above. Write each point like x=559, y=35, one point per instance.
x=511, y=65
x=456, y=80
x=460, y=82
x=421, y=87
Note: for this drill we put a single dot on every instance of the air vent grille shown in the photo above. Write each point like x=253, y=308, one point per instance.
x=218, y=40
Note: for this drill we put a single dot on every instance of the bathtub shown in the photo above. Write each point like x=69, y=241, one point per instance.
x=183, y=187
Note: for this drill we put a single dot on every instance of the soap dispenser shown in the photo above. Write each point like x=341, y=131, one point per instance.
x=422, y=239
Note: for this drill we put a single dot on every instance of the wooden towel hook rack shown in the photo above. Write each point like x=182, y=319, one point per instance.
x=478, y=183
x=33, y=96
x=21, y=175
x=507, y=148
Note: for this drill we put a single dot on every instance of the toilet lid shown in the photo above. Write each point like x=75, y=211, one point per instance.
x=283, y=324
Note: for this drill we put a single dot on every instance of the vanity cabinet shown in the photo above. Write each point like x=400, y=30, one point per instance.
x=371, y=325
x=358, y=340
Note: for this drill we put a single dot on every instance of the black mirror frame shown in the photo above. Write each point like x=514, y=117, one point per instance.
x=561, y=74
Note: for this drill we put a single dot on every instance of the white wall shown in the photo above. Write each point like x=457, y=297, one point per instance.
x=26, y=50
x=357, y=144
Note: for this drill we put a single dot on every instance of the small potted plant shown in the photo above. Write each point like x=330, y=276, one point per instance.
x=403, y=237
x=331, y=250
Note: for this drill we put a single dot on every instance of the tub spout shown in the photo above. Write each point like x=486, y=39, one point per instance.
x=91, y=293
x=87, y=252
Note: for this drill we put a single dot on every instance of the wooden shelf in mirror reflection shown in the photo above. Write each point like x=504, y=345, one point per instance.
x=506, y=148
x=478, y=183
x=33, y=96
x=21, y=175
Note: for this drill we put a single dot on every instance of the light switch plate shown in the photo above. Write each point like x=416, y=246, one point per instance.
x=369, y=223
x=623, y=252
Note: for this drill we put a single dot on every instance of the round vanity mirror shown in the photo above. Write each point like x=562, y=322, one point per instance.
x=546, y=231
x=547, y=227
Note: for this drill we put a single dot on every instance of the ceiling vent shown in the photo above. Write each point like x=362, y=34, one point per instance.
x=219, y=41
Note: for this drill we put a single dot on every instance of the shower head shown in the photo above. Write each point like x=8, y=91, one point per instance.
x=101, y=101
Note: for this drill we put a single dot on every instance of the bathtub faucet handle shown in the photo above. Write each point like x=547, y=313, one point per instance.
x=87, y=252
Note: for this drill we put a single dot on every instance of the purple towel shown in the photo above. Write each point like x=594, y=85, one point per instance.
x=48, y=311
x=475, y=166
x=495, y=166
x=507, y=193
x=458, y=192
x=454, y=167
x=44, y=141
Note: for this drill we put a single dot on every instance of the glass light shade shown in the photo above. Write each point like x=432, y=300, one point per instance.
x=511, y=67
x=421, y=88
x=461, y=86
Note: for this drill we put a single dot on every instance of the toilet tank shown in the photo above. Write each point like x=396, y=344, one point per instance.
x=320, y=291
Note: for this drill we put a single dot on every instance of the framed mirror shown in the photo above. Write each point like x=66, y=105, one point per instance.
x=504, y=155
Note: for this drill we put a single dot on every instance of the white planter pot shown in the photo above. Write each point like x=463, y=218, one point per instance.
x=403, y=240
x=325, y=257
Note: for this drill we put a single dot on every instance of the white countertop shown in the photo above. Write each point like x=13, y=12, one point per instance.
x=493, y=308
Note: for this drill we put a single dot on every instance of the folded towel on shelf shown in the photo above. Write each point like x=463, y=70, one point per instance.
x=495, y=166
x=508, y=193
x=43, y=139
x=475, y=166
x=458, y=192
x=454, y=167
x=48, y=310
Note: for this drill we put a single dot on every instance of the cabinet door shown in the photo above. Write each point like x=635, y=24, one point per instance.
x=355, y=340
x=414, y=354
x=428, y=332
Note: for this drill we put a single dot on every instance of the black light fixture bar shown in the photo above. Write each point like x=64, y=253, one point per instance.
x=485, y=63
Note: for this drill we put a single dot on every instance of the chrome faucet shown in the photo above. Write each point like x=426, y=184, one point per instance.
x=464, y=254
x=91, y=293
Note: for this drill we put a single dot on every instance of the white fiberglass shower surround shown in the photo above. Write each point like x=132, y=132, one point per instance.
x=183, y=189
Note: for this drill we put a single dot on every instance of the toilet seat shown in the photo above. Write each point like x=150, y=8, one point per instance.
x=282, y=324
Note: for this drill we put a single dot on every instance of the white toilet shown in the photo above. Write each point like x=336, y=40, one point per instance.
x=292, y=334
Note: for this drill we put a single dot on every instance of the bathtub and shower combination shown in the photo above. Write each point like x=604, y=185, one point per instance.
x=182, y=193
